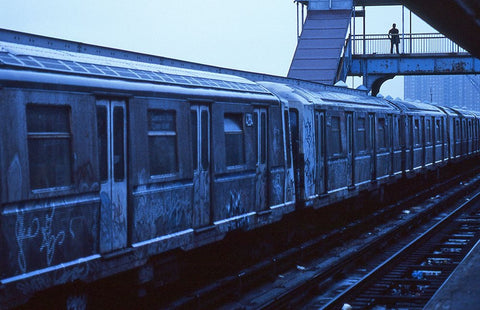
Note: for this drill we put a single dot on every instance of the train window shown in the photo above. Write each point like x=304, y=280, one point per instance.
x=361, y=138
x=416, y=132
x=382, y=134
x=234, y=139
x=194, y=139
x=287, y=138
x=102, y=132
x=438, y=132
x=205, y=138
x=371, y=130
x=476, y=128
x=457, y=129
x=408, y=138
x=118, y=149
x=442, y=131
x=396, y=129
x=428, y=131
x=49, y=145
x=263, y=138
x=335, y=136
x=322, y=135
x=294, y=134
x=162, y=142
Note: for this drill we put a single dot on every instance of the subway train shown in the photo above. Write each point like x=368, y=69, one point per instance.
x=109, y=158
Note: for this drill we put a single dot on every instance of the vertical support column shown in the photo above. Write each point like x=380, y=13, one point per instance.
x=298, y=25
x=411, y=31
x=364, y=30
x=300, y=17
x=375, y=81
x=403, y=29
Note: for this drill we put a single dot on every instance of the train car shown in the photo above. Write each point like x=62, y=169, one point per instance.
x=465, y=132
x=106, y=162
x=423, y=136
x=110, y=159
x=343, y=144
x=459, y=133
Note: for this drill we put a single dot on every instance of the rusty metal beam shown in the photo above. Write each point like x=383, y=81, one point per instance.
x=377, y=2
x=414, y=64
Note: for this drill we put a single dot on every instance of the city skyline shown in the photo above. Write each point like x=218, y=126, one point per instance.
x=456, y=91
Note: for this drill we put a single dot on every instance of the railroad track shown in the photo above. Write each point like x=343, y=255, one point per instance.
x=289, y=282
x=412, y=275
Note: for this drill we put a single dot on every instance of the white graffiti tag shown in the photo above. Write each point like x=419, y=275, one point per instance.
x=233, y=206
x=49, y=239
x=32, y=230
x=22, y=233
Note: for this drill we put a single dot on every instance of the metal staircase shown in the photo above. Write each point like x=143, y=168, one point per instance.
x=322, y=41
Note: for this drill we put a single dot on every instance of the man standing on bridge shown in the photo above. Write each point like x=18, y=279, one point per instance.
x=394, y=38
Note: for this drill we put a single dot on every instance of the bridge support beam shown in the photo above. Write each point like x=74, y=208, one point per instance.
x=377, y=69
x=374, y=81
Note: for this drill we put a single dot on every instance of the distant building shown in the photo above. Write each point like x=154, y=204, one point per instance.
x=461, y=91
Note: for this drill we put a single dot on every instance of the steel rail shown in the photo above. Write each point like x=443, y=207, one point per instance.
x=379, y=271
x=225, y=289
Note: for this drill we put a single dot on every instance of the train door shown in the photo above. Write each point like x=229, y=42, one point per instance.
x=320, y=140
x=435, y=137
x=390, y=144
x=423, y=140
x=112, y=137
x=261, y=152
x=448, y=137
x=413, y=140
x=403, y=130
x=457, y=138
x=469, y=137
x=350, y=157
x=201, y=133
x=442, y=138
x=296, y=157
x=373, y=147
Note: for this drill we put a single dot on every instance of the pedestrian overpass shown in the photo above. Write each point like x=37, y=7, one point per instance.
x=420, y=54
x=327, y=53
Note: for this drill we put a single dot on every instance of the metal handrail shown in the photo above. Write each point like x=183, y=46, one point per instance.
x=417, y=43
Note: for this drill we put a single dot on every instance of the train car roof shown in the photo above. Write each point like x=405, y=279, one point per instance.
x=21, y=56
x=328, y=97
x=464, y=113
x=416, y=106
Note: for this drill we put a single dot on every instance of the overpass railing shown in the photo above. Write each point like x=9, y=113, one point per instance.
x=418, y=43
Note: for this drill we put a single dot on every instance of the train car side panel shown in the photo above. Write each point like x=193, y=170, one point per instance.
x=320, y=153
x=234, y=161
x=383, y=146
x=51, y=213
x=336, y=149
x=280, y=191
x=363, y=151
x=14, y=135
x=397, y=136
x=428, y=141
x=161, y=168
x=307, y=136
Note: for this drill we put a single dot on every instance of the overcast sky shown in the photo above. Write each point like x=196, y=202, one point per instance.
x=250, y=35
